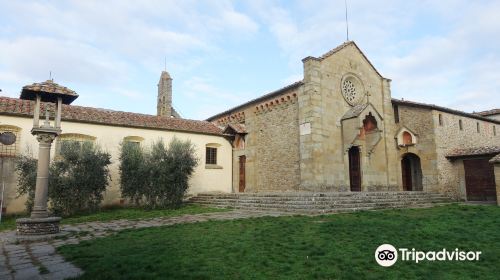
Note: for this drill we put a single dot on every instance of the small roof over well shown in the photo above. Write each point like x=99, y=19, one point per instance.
x=49, y=92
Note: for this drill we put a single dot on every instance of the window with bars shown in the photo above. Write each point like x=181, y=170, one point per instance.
x=10, y=150
x=211, y=155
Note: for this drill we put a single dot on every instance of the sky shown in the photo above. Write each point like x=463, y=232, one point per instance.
x=223, y=53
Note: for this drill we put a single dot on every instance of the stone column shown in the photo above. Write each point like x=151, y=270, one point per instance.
x=42, y=180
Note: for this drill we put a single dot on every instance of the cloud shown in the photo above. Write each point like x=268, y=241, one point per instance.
x=33, y=57
x=207, y=99
x=427, y=48
x=108, y=49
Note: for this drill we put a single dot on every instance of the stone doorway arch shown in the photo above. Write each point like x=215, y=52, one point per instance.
x=411, y=172
x=355, y=169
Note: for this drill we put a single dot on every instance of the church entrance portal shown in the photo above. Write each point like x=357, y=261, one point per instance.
x=242, y=173
x=411, y=172
x=354, y=169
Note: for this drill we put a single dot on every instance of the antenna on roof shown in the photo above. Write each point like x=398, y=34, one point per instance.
x=346, y=21
x=50, y=75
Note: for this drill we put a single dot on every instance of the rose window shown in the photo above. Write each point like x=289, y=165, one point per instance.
x=349, y=91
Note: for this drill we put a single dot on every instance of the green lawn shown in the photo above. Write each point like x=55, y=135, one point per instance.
x=321, y=247
x=9, y=222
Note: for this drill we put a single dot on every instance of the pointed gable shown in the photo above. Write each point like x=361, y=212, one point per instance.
x=341, y=47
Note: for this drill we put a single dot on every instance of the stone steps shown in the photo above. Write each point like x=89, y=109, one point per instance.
x=329, y=210
x=322, y=205
x=320, y=202
x=315, y=199
x=317, y=204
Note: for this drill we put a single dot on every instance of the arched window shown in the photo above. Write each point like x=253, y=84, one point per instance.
x=369, y=123
x=10, y=150
x=407, y=139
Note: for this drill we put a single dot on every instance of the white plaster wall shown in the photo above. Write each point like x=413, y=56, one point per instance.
x=109, y=138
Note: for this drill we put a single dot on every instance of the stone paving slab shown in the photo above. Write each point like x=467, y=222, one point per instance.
x=39, y=259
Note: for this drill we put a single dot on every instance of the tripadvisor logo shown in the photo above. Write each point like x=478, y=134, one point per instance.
x=387, y=255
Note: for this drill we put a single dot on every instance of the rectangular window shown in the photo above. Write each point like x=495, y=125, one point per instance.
x=494, y=130
x=460, y=125
x=477, y=127
x=65, y=145
x=211, y=155
x=396, y=113
x=440, y=119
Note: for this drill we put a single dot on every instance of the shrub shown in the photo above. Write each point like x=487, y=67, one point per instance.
x=26, y=168
x=77, y=181
x=132, y=171
x=157, y=177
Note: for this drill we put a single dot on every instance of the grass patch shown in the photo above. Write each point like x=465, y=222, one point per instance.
x=42, y=269
x=9, y=222
x=323, y=247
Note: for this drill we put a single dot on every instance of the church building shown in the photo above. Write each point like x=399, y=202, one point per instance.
x=339, y=130
x=336, y=130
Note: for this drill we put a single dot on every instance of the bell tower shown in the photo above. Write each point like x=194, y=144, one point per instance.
x=164, y=103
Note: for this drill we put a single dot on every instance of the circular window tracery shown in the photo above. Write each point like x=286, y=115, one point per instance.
x=352, y=89
x=349, y=90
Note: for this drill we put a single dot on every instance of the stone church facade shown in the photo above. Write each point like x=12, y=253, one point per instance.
x=340, y=130
x=336, y=130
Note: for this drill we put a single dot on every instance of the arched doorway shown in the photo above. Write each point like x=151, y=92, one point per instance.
x=411, y=172
x=354, y=169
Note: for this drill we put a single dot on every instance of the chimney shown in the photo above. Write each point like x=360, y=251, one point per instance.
x=164, y=105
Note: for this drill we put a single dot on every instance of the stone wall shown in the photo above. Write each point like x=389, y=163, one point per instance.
x=448, y=137
x=271, y=144
x=324, y=160
x=420, y=122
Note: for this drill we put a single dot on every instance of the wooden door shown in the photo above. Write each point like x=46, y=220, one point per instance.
x=479, y=180
x=406, y=172
x=354, y=169
x=242, y=160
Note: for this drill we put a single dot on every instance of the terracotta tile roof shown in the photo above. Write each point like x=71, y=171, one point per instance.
x=495, y=159
x=24, y=108
x=49, y=91
x=236, y=127
x=442, y=109
x=489, y=112
x=257, y=100
x=478, y=151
